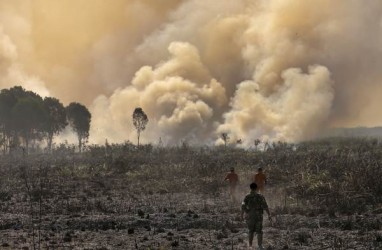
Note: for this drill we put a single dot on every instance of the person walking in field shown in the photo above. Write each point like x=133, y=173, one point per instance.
x=253, y=206
x=260, y=179
x=233, y=181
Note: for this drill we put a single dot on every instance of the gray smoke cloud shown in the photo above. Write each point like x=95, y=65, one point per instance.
x=14, y=28
x=275, y=69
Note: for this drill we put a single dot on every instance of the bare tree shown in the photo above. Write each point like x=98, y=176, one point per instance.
x=140, y=121
x=257, y=143
x=225, y=138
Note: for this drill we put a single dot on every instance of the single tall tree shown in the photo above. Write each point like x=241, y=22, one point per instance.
x=56, y=119
x=140, y=121
x=257, y=143
x=79, y=119
x=225, y=138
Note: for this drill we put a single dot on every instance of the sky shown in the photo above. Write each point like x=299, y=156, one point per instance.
x=269, y=69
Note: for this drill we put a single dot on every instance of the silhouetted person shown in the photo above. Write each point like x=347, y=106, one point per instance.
x=260, y=179
x=253, y=206
x=233, y=180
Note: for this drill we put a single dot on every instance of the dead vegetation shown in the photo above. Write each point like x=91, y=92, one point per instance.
x=324, y=194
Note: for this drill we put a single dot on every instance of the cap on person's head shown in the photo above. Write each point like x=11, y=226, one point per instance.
x=253, y=186
x=259, y=169
x=232, y=169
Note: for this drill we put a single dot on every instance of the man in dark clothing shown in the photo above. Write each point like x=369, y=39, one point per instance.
x=254, y=205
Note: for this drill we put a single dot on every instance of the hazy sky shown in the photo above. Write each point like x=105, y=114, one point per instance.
x=277, y=69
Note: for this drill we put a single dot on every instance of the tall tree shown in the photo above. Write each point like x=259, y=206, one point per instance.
x=140, y=121
x=8, y=126
x=56, y=118
x=79, y=119
x=29, y=117
x=225, y=138
x=7, y=101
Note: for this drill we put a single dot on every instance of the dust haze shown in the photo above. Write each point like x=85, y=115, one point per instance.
x=274, y=69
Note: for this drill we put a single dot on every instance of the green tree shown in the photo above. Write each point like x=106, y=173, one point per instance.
x=56, y=118
x=140, y=121
x=79, y=119
x=7, y=101
x=29, y=118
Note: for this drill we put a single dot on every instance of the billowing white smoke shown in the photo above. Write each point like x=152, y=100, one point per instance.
x=235, y=42
x=179, y=97
x=293, y=112
x=271, y=69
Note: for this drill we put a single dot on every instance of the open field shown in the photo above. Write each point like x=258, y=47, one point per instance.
x=323, y=195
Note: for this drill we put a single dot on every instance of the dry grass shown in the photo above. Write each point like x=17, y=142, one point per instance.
x=324, y=194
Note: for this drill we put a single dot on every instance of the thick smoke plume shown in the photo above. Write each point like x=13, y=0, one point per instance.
x=269, y=69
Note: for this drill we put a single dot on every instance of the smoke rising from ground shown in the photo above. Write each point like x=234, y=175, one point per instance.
x=275, y=69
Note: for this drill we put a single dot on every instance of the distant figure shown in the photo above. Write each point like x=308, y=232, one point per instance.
x=233, y=180
x=260, y=179
x=253, y=206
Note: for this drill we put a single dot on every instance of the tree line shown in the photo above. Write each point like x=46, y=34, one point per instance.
x=26, y=117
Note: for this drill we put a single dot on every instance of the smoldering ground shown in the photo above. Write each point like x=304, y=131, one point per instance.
x=322, y=194
x=275, y=69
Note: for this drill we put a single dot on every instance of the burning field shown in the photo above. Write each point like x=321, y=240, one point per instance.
x=202, y=86
x=323, y=195
x=269, y=69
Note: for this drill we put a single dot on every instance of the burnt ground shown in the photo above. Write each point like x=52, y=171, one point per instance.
x=116, y=213
x=118, y=197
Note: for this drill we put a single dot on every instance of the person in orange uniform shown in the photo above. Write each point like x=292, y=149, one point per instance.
x=233, y=180
x=260, y=179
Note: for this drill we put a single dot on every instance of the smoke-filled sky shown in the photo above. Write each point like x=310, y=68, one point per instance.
x=270, y=69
